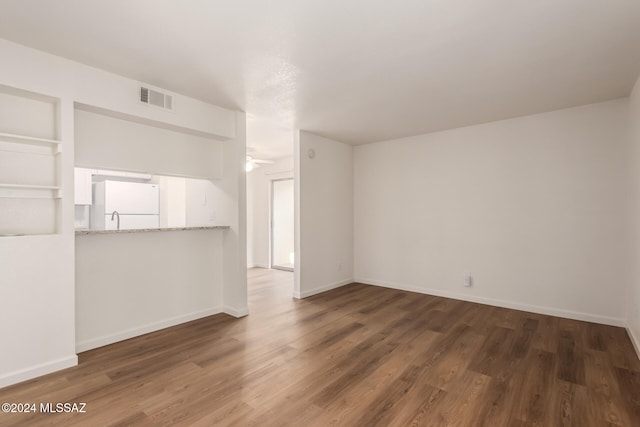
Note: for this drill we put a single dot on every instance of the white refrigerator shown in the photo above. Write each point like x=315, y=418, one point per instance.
x=136, y=205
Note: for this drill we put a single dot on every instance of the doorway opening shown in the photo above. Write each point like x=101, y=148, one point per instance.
x=282, y=224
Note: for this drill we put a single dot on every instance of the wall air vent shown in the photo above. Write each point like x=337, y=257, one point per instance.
x=156, y=98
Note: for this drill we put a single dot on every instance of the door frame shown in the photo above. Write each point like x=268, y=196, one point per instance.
x=271, y=224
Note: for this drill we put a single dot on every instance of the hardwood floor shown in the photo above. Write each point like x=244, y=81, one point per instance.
x=355, y=356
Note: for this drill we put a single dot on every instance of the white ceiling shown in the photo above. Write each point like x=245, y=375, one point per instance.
x=358, y=70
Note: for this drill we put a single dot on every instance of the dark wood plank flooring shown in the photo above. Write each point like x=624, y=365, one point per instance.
x=355, y=356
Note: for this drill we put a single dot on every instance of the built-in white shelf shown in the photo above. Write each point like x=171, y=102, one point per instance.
x=29, y=144
x=30, y=187
x=30, y=191
x=30, y=166
x=23, y=139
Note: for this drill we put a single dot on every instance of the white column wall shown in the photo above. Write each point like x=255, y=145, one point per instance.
x=324, y=214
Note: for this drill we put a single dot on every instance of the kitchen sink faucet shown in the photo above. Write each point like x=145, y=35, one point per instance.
x=115, y=213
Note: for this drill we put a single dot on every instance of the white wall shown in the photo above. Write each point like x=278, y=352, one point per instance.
x=27, y=116
x=134, y=283
x=41, y=300
x=534, y=208
x=633, y=296
x=37, y=279
x=324, y=214
x=173, y=191
x=259, y=209
x=205, y=204
x=40, y=72
x=36, y=301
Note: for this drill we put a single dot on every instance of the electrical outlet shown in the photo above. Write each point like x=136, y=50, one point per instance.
x=468, y=280
x=339, y=266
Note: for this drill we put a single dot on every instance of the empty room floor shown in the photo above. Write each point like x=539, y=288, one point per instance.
x=357, y=355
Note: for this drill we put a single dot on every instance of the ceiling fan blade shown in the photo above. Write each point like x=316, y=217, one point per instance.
x=265, y=162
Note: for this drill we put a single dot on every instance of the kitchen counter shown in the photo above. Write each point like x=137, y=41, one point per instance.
x=147, y=230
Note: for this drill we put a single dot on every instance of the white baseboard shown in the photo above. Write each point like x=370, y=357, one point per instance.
x=144, y=329
x=605, y=320
x=235, y=312
x=258, y=266
x=38, y=370
x=634, y=341
x=309, y=292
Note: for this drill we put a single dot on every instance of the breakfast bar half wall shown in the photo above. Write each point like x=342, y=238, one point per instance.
x=131, y=282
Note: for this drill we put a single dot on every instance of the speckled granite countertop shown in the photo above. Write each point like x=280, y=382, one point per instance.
x=146, y=230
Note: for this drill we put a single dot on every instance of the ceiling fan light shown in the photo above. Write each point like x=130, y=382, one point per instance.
x=248, y=166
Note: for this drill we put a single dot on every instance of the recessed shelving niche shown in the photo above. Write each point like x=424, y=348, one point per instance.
x=30, y=149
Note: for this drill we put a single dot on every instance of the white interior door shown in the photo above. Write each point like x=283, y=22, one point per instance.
x=282, y=255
